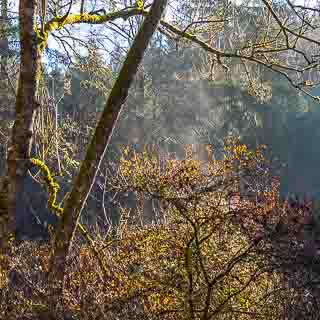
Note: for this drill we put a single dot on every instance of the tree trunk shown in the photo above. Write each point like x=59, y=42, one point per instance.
x=4, y=92
x=26, y=105
x=100, y=141
x=4, y=43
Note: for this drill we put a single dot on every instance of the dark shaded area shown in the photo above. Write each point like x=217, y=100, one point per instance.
x=33, y=216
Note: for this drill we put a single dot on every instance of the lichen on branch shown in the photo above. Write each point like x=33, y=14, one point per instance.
x=58, y=22
x=53, y=188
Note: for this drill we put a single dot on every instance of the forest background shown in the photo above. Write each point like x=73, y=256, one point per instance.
x=258, y=84
x=270, y=120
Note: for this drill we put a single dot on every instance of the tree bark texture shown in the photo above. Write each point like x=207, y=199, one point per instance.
x=26, y=105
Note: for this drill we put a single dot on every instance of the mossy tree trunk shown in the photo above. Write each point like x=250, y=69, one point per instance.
x=100, y=141
x=4, y=43
x=26, y=105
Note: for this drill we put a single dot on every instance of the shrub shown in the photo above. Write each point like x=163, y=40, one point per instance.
x=202, y=258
